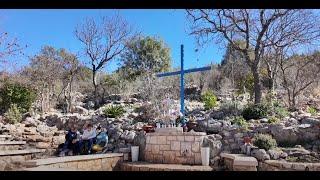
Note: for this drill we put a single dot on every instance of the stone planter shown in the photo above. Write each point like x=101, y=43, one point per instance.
x=134, y=153
x=205, y=155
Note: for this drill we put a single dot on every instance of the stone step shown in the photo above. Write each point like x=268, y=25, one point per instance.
x=5, y=136
x=20, y=152
x=145, y=166
x=45, y=168
x=5, y=143
x=239, y=162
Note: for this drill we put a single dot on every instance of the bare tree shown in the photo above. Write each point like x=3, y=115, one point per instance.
x=299, y=72
x=103, y=41
x=252, y=31
x=9, y=47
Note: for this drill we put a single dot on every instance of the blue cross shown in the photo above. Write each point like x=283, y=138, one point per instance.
x=182, y=72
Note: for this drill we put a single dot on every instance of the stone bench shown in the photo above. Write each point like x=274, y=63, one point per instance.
x=97, y=162
x=144, y=166
x=239, y=162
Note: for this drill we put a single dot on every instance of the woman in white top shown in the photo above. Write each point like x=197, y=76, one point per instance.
x=89, y=134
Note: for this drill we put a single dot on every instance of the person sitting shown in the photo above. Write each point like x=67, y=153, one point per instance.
x=101, y=140
x=71, y=142
x=88, y=137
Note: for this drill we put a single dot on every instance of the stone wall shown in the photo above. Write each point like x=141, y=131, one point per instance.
x=275, y=165
x=101, y=162
x=174, y=147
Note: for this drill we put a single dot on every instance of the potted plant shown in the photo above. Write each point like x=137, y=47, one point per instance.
x=205, y=153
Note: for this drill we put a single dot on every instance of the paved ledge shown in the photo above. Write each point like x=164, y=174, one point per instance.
x=144, y=166
x=39, y=162
x=12, y=143
x=177, y=134
x=44, y=168
x=20, y=152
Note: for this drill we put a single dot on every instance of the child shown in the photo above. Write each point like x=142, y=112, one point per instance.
x=89, y=134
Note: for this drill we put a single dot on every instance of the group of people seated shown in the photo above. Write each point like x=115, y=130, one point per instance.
x=91, y=140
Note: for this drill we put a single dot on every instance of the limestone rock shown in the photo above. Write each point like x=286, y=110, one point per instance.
x=260, y=154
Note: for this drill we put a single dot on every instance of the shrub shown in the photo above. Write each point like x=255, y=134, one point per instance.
x=231, y=108
x=279, y=110
x=256, y=111
x=273, y=120
x=313, y=111
x=240, y=121
x=114, y=111
x=264, y=141
x=17, y=94
x=13, y=114
x=209, y=100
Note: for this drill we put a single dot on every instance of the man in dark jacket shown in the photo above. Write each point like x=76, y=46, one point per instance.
x=72, y=141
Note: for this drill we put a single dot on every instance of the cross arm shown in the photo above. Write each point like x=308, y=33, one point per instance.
x=185, y=71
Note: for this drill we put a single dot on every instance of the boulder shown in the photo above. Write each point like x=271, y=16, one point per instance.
x=260, y=154
x=276, y=154
x=215, y=146
x=128, y=136
x=312, y=121
x=210, y=126
x=80, y=110
x=217, y=114
x=284, y=134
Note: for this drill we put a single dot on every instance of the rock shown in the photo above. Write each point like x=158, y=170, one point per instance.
x=57, y=140
x=90, y=105
x=274, y=154
x=43, y=145
x=260, y=154
x=209, y=126
x=128, y=136
x=296, y=151
x=215, y=146
x=217, y=114
x=291, y=121
x=80, y=110
x=30, y=122
x=140, y=140
x=215, y=137
x=311, y=121
x=284, y=134
x=264, y=120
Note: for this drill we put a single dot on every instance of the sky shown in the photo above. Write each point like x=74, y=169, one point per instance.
x=37, y=28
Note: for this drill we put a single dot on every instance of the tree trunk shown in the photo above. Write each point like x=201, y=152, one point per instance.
x=95, y=87
x=257, y=85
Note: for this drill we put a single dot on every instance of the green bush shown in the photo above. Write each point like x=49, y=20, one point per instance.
x=209, y=100
x=114, y=111
x=278, y=110
x=231, y=108
x=17, y=94
x=13, y=114
x=240, y=121
x=256, y=111
x=273, y=120
x=264, y=141
x=313, y=111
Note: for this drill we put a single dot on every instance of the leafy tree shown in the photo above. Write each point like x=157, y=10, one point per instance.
x=16, y=94
x=145, y=55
